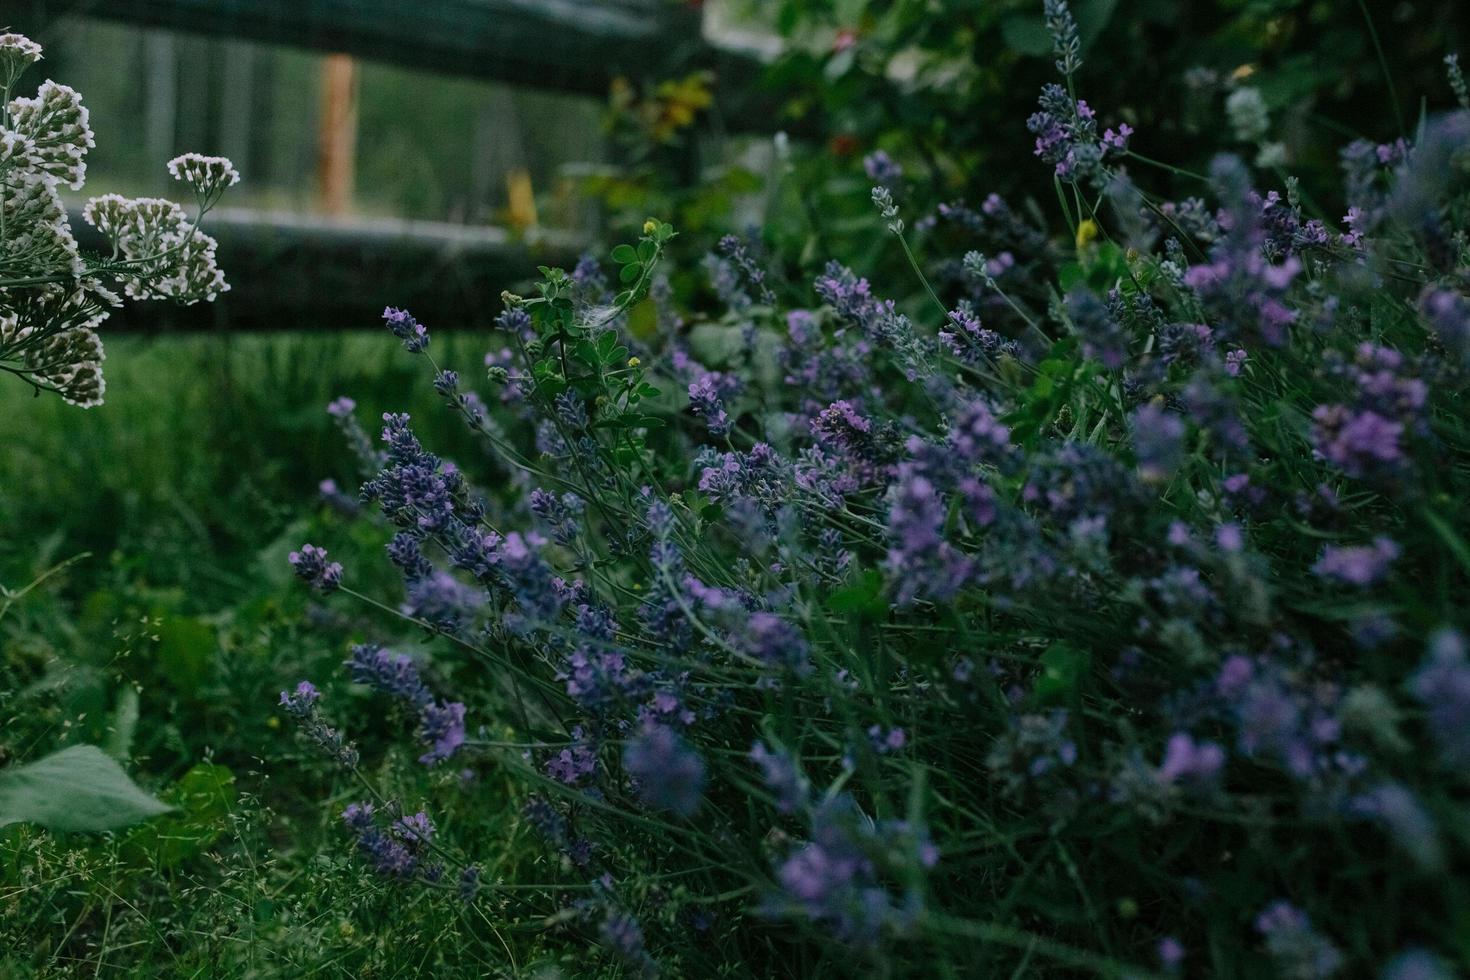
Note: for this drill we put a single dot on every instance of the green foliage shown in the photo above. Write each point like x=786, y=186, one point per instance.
x=78, y=788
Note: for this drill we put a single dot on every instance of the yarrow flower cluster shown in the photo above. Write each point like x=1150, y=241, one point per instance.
x=52, y=297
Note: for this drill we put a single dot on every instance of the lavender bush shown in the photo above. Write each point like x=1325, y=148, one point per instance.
x=1103, y=619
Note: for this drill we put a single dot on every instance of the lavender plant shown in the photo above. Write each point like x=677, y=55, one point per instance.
x=53, y=297
x=1103, y=624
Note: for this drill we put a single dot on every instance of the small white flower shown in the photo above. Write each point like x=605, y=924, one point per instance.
x=17, y=53
x=58, y=124
x=1248, y=115
x=209, y=176
x=16, y=149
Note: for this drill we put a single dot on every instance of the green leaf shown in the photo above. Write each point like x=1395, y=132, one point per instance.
x=1062, y=670
x=1070, y=275
x=586, y=353
x=863, y=598
x=78, y=788
x=624, y=254
x=186, y=651
x=203, y=796
x=630, y=273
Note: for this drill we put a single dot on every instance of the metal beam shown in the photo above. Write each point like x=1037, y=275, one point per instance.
x=293, y=271
x=564, y=45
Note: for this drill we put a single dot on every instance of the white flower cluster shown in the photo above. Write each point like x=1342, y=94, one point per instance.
x=17, y=53
x=209, y=176
x=55, y=123
x=163, y=255
x=51, y=299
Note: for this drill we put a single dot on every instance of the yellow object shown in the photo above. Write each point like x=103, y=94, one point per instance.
x=1086, y=232
x=650, y=226
x=634, y=362
x=522, y=199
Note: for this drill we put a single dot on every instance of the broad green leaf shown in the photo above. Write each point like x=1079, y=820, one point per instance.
x=186, y=651
x=863, y=598
x=624, y=254
x=1062, y=670
x=78, y=788
x=203, y=796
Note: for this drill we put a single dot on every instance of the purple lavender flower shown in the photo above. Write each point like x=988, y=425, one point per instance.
x=965, y=338
x=394, y=674
x=621, y=933
x=301, y=705
x=406, y=552
x=670, y=774
x=413, y=334
x=1171, y=954
x=706, y=399
x=849, y=295
x=921, y=562
x=302, y=701
x=333, y=496
x=837, y=878
x=1362, y=565
x=1033, y=747
x=1067, y=137
x=1361, y=444
x=1158, y=440
x=1243, y=285
x=882, y=169
x=443, y=731
x=1448, y=313
x=772, y=640
x=576, y=762
x=1234, y=361
x=396, y=851
x=469, y=884
x=415, y=828
x=1442, y=685
x=782, y=777
x=1103, y=338
x=442, y=600
x=561, y=514
x=312, y=567
x=1299, y=952
x=1188, y=760
x=886, y=741
x=741, y=254
x=977, y=436
x=527, y=576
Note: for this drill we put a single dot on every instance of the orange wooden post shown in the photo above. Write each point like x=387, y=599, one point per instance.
x=337, y=134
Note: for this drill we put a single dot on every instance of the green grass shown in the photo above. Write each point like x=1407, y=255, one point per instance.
x=166, y=641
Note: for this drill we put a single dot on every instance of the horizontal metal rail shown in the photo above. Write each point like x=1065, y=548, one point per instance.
x=291, y=271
